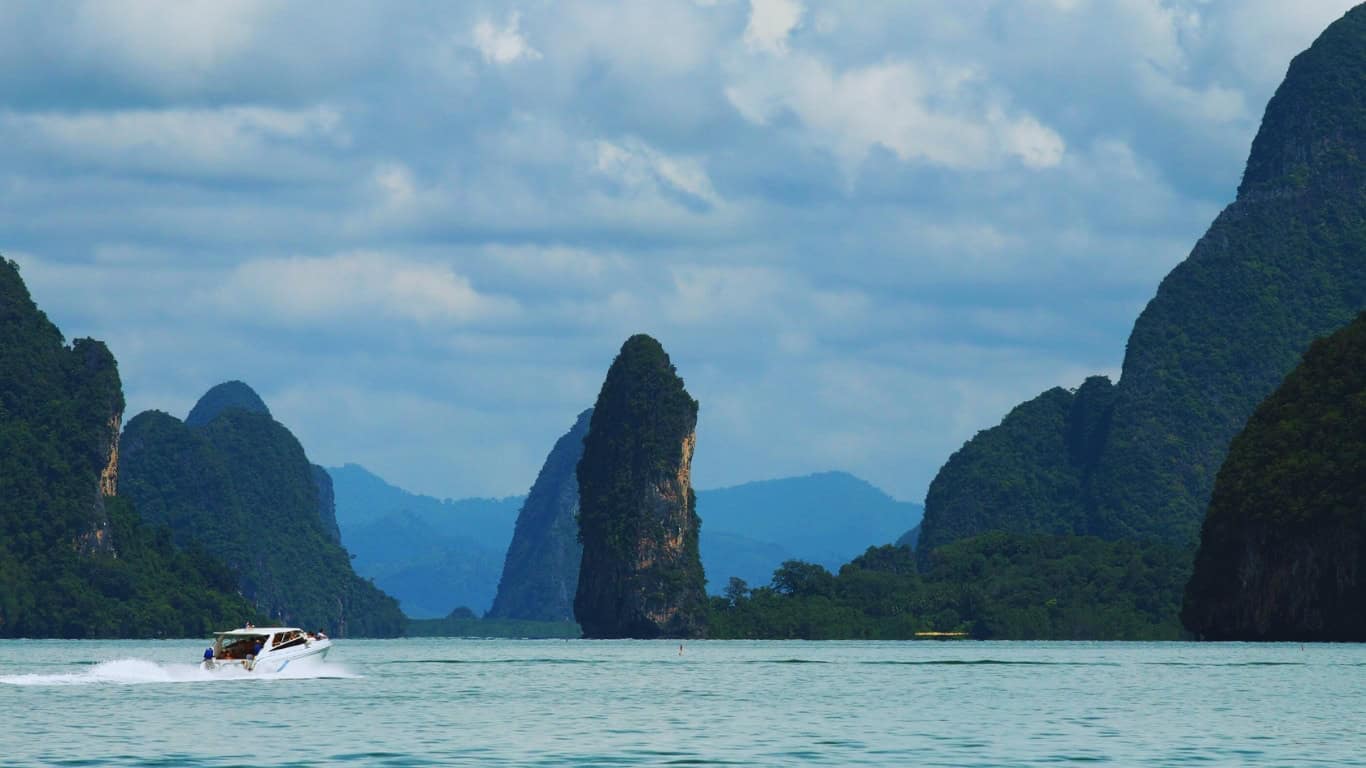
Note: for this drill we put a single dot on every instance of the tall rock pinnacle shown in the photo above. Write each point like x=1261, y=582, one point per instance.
x=641, y=575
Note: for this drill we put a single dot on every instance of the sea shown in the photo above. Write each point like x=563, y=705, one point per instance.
x=462, y=702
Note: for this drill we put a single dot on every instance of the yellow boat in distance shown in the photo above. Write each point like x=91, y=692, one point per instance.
x=941, y=635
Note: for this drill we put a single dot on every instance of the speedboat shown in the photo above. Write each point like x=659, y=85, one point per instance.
x=268, y=649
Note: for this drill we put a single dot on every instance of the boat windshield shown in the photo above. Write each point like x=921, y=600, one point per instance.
x=292, y=637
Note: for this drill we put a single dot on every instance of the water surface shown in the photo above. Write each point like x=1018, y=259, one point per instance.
x=439, y=702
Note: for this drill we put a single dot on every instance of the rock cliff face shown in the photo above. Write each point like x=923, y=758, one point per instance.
x=1283, y=550
x=102, y=392
x=1280, y=266
x=240, y=486
x=641, y=574
x=109, y=476
x=541, y=572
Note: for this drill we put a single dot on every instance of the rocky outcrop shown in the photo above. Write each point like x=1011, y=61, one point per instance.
x=96, y=386
x=109, y=476
x=1280, y=266
x=98, y=538
x=1283, y=549
x=541, y=571
x=641, y=574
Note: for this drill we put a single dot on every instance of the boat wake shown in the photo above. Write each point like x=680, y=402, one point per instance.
x=141, y=671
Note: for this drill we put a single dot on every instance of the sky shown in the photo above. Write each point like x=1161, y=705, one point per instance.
x=421, y=231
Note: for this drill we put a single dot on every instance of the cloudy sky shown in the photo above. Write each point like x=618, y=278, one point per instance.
x=421, y=231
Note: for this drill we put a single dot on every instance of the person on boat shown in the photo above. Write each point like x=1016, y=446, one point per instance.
x=321, y=635
x=208, y=654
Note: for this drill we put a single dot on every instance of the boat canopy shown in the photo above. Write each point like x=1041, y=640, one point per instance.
x=256, y=631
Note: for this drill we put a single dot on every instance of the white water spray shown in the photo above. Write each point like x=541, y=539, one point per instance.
x=141, y=672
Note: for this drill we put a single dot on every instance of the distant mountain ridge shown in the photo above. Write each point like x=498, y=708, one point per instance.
x=432, y=554
x=827, y=518
x=435, y=555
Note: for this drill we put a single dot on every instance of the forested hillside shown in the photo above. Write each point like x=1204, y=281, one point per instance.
x=74, y=559
x=1282, y=265
x=994, y=586
x=240, y=486
x=1283, y=550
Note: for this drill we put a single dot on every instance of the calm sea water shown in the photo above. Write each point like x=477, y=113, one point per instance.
x=542, y=703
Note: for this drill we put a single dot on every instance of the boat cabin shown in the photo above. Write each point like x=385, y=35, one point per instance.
x=241, y=643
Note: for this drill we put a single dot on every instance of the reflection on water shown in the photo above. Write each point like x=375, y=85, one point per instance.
x=484, y=702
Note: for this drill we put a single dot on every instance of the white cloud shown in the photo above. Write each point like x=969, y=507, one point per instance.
x=1210, y=105
x=1261, y=36
x=637, y=41
x=178, y=140
x=557, y=264
x=765, y=299
x=177, y=43
x=503, y=45
x=933, y=114
x=313, y=290
x=770, y=22
x=1033, y=143
x=396, y=184
x=638, y=166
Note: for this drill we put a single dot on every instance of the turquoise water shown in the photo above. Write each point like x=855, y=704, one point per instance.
x=541, y=703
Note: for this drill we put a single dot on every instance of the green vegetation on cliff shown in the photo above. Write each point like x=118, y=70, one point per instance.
x=1283, y=550
x=641, y=575
x=241, y=487
x=995, y=586
x=1026, y=475
x=1279, y=267
x=73, y=561
x=221, y=397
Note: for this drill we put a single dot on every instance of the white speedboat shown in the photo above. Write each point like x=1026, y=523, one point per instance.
x=267, y=649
